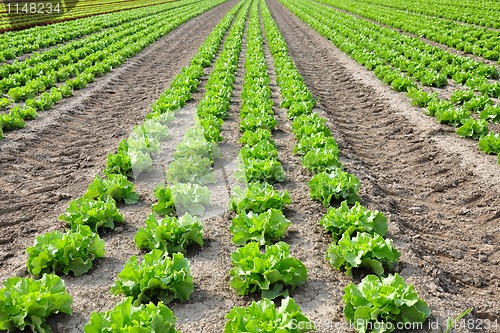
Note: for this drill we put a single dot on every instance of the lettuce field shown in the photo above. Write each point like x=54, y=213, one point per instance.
x=249, y=166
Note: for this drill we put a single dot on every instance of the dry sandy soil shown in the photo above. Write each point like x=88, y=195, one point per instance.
x=440, y=194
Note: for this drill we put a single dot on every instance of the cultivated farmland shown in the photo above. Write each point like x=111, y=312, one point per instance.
x=250, y=166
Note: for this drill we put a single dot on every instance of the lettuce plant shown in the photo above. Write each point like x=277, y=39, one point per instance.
x=383, y=302
x=190, y=198
x=12, y=120
x=165, y=204
x=263, y=228
x=490, y=143
x=452, y=116
x=321, y=159
x=271, y=273
x=158, y=277
x=58, y=252
x=170, y=234
x=26, y=303
x=336, y=184
x=309, y=124
x=491, y=114
x=420, y=97
x=116, y=186
x=252, y=121
x=194, y=169
x=263, y=149
x=125, y=317
x=194, y=143
x=477, y=104
x=251, y=138
x=264, y=317
x=258, y=198
x=316, y=140
x=94, y=213
x=473, y=128
x=461, y=96
x=256, y=170
x=363, y=250
x=338, y=221
x=120, y=162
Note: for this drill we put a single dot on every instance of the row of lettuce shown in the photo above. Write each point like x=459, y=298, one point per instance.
x=259, y=221
x=164, y=273
x=45, y=78
x=358, y=234
x=406, y=64
x=473, y=11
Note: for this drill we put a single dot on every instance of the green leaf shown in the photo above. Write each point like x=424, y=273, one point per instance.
x=58, y=252
x=336, y=184
x=321, y=159
x=490, y=143
x=258, y=198
x=115, y=185
x=119, y=163
x=190, y=198
x=94, y=213
x=473, y=128
x=264, y=317
x=26, y=303
x=338, y=221
x=170, y=234
x=165, y=204
x=378, y=301
x=272, y=273
x=315, y=140
x=263, y=228
x=251, y=138
x=125, y=317
x=363, y=250
x=194, y=169
x=256, y=170
x=309, y=124
x=264, y=149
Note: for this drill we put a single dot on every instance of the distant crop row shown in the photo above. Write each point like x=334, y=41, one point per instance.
x=409, y=65
x=472, y=11
x=16, y=15
x=17, y=43
x=44, y=79
x=470, y=39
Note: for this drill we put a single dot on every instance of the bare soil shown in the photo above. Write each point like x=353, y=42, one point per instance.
x=440, y=193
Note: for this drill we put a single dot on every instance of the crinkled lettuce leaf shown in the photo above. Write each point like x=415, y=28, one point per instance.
x=157, y=277
x=264, y=317
x=25, y=302
x=380, y=300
